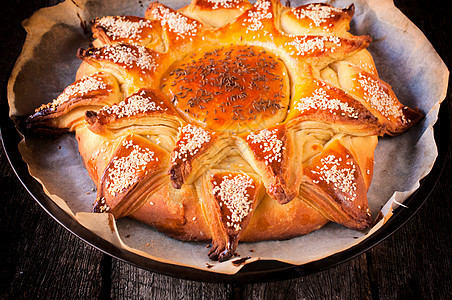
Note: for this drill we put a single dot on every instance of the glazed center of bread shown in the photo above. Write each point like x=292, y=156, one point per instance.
x=229, y=89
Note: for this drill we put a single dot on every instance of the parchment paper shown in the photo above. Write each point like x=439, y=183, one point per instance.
x=404, y=58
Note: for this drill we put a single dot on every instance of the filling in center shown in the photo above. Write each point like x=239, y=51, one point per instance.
x=230, y=89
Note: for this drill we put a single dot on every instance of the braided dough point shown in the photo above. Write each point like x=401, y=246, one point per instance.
x=227, y=121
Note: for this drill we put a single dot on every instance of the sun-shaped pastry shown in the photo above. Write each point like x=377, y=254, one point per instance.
x=229, y=121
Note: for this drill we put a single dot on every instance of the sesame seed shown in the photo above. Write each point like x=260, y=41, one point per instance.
x=175, y=21
x=305, y=45
x=80, y=88
x=321, y=100
x=129, y=56
x=122, y=27
x=233, y=193
x=379, y=98
x=191, y=140
x=102, y=205
x=224, y=3
x=123, y=172
x=316, y=12
x=255, y=16
x=342, y=178
x=270, y=144
x=137, y=103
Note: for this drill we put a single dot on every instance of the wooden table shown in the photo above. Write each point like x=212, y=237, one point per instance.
x=41, y=259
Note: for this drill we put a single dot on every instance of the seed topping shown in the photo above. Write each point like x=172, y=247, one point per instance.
x=317, y=13
x=321, y=100
x=78, y=89
x=123, y=172
x=191, y=140
x=123, y=27
x=233, y=193
x=269, y=143
x=138, y=103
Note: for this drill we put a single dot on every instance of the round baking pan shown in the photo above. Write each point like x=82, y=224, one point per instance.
x=263, y=270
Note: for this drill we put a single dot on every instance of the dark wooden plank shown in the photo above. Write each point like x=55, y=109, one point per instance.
x=130, y=282
x=345, y=281
x=39, y=258
x=416, y=262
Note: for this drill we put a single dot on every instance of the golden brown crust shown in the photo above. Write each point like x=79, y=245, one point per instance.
x=180, y=213
x=95, y=151
x=216, y=13
x=272, y=154
x=146, y=107
x=230, y=200
x=325, y=103
x=136, y=168
x=112, y=30
x=335, y=186
x=228, y=121
x=193, y=142
x=67, y=111
x=378, y=98
x=275, y=221
x=317, y=19
x=180, y=33
x=135, y=65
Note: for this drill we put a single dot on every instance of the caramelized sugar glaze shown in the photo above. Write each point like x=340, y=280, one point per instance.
x=230, y=89
x=229, y=121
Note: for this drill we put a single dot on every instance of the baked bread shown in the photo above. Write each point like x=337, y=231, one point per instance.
x=227, y=121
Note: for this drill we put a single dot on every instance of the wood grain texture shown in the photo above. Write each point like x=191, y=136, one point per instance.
x=42, y=260
x=324, y=285
x=416, y=260
x=37, y=254
x=130, y=282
